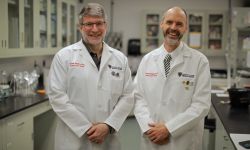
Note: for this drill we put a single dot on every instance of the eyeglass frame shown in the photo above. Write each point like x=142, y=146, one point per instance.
x=90, y=25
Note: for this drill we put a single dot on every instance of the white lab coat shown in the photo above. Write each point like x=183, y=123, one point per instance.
x=181, y=100
x=81, y=95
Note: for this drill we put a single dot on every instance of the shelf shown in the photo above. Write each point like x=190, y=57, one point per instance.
x=214, y=39
x=12, y=2
x=43, y=32
x=27, y=6
x=215, y=24
x=195, y=24
x=214, y=52
x=43, y=13
x=8, y=53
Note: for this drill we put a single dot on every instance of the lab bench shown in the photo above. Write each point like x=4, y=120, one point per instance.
x=229, y=120
x=24, y=121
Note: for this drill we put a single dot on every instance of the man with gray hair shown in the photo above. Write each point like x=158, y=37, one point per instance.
x=90, y=88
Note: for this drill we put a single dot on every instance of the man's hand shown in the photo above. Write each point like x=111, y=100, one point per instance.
x=98, y=132
x=158, y=133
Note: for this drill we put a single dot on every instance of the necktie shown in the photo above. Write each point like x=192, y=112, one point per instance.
x=166, y=62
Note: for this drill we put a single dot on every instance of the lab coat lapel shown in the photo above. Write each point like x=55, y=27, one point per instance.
x=159, y=64
x=85, y=53
x=183, y=53
x=179, y=60
x=106, y=55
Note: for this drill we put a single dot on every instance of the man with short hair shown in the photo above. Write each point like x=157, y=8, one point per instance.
x=90, y=88
x=172, y=90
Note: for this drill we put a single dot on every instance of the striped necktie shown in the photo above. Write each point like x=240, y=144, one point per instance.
x=166, y=62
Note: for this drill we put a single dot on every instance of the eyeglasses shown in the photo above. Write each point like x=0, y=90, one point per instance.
x=90, y=25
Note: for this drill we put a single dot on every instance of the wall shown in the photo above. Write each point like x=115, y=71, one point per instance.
x=127, y=13
x=127, y=16
x=20, y=64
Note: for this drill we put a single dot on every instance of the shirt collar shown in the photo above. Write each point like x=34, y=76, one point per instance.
x=89, y=50
x=174, y=53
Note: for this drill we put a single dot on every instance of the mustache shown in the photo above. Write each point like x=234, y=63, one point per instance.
x=94, y=34
x=168, y=31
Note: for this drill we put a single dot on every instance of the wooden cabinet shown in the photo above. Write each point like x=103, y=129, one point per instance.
x=151, y=32
x=17, y=130
x=207, y=32
x=33, y=27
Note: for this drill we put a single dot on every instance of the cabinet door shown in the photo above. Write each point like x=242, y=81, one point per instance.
x=73, y=24
x=222, y=140
x=3, y=25
x=240, y=38
x=19, y=132
x=64, y=31
x=196, y=32
x=216, y=36
x=1, y=135
x=14, y=13
x=36, y=27
x=48, y=36
x=16, y=26
x=207, y=32
x=53, y=23
x=151, y=34
x=43, y=30
x=20, y=23
x=28, y=34
x=68, y=23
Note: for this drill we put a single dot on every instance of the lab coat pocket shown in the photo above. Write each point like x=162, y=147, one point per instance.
x=187, y=86
x=116, y=82
x=116, y=88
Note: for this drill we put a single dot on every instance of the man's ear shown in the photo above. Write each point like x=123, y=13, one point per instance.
x=79, y=27
x=161, y=24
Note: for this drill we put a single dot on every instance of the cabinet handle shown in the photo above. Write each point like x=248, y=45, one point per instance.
x=2, y=44
x=225, y=138
x=5, y=43
x=22, y=39
x=20, y=124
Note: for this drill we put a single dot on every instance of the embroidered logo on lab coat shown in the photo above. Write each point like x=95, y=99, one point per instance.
x=114, y=67
x=115, y=70
x=76, y=64
x=187, y=81
x=180, y=74
x=151, y=74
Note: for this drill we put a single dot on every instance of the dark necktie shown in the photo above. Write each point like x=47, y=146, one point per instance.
x=166, y=62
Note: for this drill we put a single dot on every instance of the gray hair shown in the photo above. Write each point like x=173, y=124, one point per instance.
x=92, y=9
